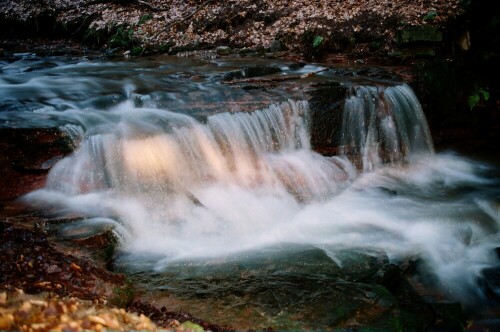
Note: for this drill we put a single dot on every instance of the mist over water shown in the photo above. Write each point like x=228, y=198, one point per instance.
x=175, y=188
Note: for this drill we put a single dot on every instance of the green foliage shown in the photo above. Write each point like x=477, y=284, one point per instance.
x=144, y=18
x=137, y=50
x=465, y=3
x=123, y=295
x=430, y=16
x=477, y=96
x=190, y=326
x=123, y=37
x=92, y=35
x=164, y=48
x=317, y=41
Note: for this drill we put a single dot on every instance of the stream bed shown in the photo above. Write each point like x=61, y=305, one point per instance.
x=259, y=193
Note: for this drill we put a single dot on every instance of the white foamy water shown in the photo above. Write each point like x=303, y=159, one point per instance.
x=182, y=189
x=384, y=125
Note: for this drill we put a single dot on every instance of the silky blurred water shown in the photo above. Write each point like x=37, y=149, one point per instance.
x=187, y=170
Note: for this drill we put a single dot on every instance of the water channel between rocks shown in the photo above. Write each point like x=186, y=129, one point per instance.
x=210, y=174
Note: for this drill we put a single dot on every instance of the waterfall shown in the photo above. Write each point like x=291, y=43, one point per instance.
x=184, y=189
x=383, y=125
x=163, y=152
x=149, y=150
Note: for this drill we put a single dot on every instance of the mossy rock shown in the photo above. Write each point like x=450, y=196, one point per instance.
x=425, y=33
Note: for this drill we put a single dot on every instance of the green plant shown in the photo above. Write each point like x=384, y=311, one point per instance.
x=465, y=3
x=164, y=48
x=190, y=326
x=144, y=18
x=137, y=50
x=92, y=35
x=430, y=16
x=123, y=37
x=122, y=296
x=477, y=96
x=317, y=41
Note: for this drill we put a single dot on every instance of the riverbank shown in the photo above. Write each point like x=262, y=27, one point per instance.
x=301, y=27
x=47, y=285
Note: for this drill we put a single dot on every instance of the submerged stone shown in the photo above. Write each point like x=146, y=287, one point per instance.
x=287, y=287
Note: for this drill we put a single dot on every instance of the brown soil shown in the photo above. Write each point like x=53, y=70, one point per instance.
x=71, y=285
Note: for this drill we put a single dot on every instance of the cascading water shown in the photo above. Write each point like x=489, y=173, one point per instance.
x=182, y=189
x=190, y=193
x=384, y=125
x=159, y=152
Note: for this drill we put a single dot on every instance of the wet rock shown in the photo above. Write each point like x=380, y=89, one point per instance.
x=271, y=261
x=164, y=318
x=497, y=250
x=94, y=238
x=224, y=50
x=277, y=46
x=485, y=325
x=449, y=317
x=327, y=105
x=350, y=305
x=389, y=276
x=86, y=228
x=490, y=284
x=251, y=71
x=302, y=287
x=26, y=154
x=388, y=191
x=296, y=65
x=378, y=73
x=254, y=87
x=412, y=303
x=33, y=148
x=359, y=264
x=247, y=51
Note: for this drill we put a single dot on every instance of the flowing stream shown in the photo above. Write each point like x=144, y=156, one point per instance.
x=209, y=186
